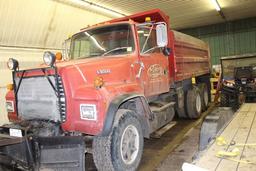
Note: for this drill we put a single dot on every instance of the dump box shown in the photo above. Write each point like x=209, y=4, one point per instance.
x=191, y=56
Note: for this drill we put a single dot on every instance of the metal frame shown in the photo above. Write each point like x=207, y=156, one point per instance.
x=43, y=70
x=33, y=147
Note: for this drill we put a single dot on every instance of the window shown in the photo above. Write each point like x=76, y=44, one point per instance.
x=147, y=39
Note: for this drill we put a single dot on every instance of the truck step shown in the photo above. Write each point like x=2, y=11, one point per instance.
x=158, y=107
x=163, y=130
x=162, y=114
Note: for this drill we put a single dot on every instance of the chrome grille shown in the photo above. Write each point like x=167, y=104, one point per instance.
x=38, y=99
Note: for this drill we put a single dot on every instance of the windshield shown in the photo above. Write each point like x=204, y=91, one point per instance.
x=104, y=41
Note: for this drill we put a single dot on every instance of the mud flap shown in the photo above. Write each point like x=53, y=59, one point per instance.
x=214, y=124
x=61, y=153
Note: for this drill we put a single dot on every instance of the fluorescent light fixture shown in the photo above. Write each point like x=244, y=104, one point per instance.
x=216, y=5
x=106, y=10
x=98, y=8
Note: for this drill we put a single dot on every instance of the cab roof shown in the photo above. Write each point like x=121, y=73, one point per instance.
x=156, y=15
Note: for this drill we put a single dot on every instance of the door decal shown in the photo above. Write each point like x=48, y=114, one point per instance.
x=155, y=71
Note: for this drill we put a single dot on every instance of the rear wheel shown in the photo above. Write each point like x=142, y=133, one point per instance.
x=180, y=109
x=193, y=103
x=122, y=149
x=204, y=95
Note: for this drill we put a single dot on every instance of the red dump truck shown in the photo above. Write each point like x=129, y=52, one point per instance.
x=122, y=80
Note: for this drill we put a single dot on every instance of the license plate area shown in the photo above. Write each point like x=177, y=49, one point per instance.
x=7, y=139
x=15, y=132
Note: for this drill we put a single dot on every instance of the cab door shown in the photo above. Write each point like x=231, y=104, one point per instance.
x=155, y=73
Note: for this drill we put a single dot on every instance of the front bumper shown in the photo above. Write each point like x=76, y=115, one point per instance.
x=42, y=153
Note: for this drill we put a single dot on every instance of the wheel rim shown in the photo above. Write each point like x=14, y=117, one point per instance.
x=206, y=100
x=129, y=144
x=198, y=103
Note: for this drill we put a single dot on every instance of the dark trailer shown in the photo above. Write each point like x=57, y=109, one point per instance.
x=239, y=80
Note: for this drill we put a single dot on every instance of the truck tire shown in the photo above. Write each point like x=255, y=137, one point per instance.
x=224, y=100
x=180, y=110
x=193, y=103
x=204, y=95
x=236, y=104
x=122, y=149
x=180, y=103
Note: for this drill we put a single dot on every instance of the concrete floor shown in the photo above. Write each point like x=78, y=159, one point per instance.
x=183, y=153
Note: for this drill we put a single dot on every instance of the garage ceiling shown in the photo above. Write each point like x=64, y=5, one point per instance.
x=46, y=23
x=186, y=13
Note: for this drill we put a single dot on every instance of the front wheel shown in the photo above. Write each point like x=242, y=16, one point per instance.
x=122, y=149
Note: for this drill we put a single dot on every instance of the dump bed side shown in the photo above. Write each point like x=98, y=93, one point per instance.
x=191, y=56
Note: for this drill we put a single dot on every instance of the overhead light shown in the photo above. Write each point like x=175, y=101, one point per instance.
x=98, y=8
x=106, y=10
x=216, y=5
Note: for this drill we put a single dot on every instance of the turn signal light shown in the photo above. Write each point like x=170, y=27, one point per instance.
x=98, y=82
x=147, y=19
x=9, y=87
x=58, y=56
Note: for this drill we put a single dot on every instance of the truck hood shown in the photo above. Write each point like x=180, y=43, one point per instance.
x=84, y=71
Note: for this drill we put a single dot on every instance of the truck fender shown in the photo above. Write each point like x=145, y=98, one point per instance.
x=115, y=105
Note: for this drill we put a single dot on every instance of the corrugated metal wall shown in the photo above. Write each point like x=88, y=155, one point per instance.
x=232, y=38
x=43, y=23
x=30, y=27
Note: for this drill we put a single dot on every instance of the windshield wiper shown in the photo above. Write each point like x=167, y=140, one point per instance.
x=153, y=48
x=115, y=49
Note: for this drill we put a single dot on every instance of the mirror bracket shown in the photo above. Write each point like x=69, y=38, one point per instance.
x=167, y=51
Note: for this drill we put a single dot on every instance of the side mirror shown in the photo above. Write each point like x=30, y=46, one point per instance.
x=161, y=35
x=166, y=51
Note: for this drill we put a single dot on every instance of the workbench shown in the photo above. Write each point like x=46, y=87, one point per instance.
x=240, y=130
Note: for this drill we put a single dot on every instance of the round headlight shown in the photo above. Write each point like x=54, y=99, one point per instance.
x=12, y=64
x=49, y=58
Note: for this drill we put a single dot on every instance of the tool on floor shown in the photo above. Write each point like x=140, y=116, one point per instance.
x=232, y=153
x=222, y=142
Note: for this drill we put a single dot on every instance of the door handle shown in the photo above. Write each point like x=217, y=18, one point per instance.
x=140, y=70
